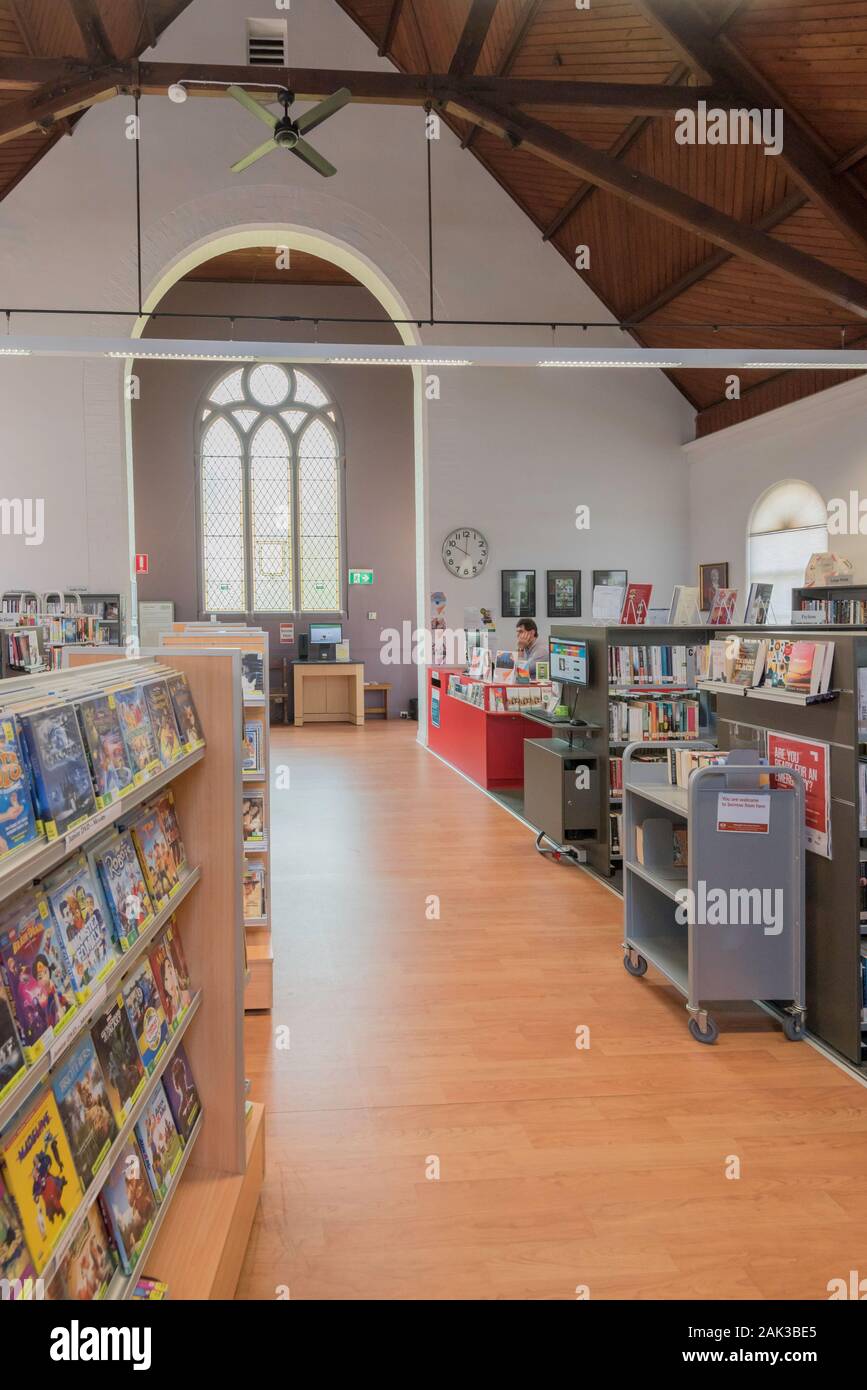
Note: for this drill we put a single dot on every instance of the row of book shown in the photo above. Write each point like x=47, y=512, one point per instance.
x=663, y=664
x=255, y=894
x=60, y=763
x=863, y=986
x=254, y=743
x=632, y=721
x=836, y=610
x=23, y=649
x=615, y=776
x=862, y=796
x=683, y=762
x=674, y=835
x=615, y=833
x=802, y=668
x=60, y=939
x=82, y=628
x=53, y=1159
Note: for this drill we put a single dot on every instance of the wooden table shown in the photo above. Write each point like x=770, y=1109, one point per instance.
x=328, y=692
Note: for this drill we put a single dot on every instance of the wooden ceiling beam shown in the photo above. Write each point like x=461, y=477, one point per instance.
x=42, y=109
x=472, y=39
x=89, y=23
x=717, y=58
x=671, y=204
x=391, y=28
x=506, y=62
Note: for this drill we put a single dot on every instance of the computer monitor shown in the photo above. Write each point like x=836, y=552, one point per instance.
x=569, y=661
x=325, y=634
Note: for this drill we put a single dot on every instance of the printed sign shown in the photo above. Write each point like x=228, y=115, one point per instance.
x=361, y=576
x=812, y=760
x=142, y=564
x=744, y=812
x=287, y=632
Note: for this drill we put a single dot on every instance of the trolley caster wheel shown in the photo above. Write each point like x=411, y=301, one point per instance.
x=793, y=1028
x=709, y=1036
x=635, y=967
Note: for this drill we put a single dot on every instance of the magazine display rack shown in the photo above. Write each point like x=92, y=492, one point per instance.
x=199, y=1233
x=744, y=856
x=256, y=786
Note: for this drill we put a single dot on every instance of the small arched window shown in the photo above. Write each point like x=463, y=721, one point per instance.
x=270, y=456
x=788, y=523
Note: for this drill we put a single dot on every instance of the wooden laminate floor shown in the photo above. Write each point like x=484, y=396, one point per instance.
x=414, y=1040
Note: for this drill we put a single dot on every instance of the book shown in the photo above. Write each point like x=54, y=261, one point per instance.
x=187, y=716
x=122, y=1068
x=145, y=1013
x=110, y=764
x=684, y=610
x=504, y=667
x=181, y=1093
x=166, y=813
x=758, y=606
x=156, y=859
x=654, y=664
x=85, y=1109
x=160, y=1142
x=777, y=663
x=84, y=924
x=137, y=732
x=722, y=609
x=636, y=602
x=123, y=884
x=252, y=674
x=64, y=793
x=252, y=750
x=16, y=1266
x=127, y=1204
x=163, y=722
x=253, y=805
x=682, y=762
x=12, y=1063
x=254, y=890
x=150, y=1290
x=35, y=973
x=809, y=668
x=41, y=1176
x=174, y=996
x=18, y=826
x=746, y=661
x=87, y=1268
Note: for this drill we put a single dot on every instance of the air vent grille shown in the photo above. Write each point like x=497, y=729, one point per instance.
x=267, y=42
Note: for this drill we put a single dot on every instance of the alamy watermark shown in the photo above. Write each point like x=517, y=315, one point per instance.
x=23, y=516
x=739, y=126
x=731, y=907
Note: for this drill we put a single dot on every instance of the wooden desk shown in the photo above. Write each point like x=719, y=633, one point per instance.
x=328, y=692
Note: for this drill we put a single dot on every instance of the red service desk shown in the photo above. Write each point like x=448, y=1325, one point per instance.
x=487, y=747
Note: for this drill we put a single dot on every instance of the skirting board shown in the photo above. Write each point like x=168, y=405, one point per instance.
x=200, y=1250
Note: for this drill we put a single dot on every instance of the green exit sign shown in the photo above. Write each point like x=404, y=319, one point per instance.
x=361, y=576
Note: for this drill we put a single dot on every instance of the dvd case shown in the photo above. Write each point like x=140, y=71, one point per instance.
x=155, y=857
x=160, y=1142
x=110, y=763
x=123, y=884
x=35, y=972
x=137, y=733
x=18, y=825
x=16, y=1266
x=61, y=772
x=88, y=1266
x=166, y=813
x=186, y=714
x=85, y=1109
x=145, y=1013
x=12, y=1063
x=41, y=1175
x=181, y=1093
x=122, y=1068
x=163, y=722
x=128, y=1205
x=84, y=924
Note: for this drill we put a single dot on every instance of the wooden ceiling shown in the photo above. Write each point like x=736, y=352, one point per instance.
x=257, y=265
x=678, y=289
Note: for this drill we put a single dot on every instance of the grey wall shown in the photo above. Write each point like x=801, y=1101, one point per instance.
x=377, y=409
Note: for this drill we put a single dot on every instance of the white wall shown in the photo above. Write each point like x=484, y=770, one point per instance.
x=513, y=452
x=821, y=440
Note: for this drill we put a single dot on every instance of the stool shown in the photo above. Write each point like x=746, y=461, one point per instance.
x=377, y=709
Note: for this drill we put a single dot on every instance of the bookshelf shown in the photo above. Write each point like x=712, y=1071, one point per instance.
x=257, y=854
x=224, y=1156
x=832, y=604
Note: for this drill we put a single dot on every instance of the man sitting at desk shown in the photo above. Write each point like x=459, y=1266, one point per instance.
x=531, y=648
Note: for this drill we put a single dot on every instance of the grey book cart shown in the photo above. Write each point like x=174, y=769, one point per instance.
x=743, y=943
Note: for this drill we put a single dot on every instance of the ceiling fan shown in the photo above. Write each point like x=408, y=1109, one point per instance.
x=286, y=133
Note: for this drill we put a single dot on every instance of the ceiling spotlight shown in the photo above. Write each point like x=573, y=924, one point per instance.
x=178, y=92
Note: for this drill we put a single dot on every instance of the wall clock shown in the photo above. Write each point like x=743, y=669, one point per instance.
x=465, y=552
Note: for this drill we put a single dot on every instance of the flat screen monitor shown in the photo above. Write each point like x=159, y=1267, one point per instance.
x=568, y=661
x=325, y=634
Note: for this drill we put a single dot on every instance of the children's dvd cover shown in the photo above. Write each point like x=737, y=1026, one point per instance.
x=123, y=884
x=150, y=1290
x=35, y=973
x=252, y=674
x=163, y=722
x=181, y=1093
x=88, y=1266
x=145, y=1013
x=84, y=924
x=167, y=982
x=110, y=762
x=85, y=1110
x=160, y=1142
x=12, y=1063
x=16, y=1266
x=166, y=812
x=254, y=890
x=155, y=857
x=61, y=773
x=18, y=825
x=138, y=735
x=172, y=939
x=186, y=714
x=128, y=1205
x=253, y=811
x=40, y=1174
x=122, y=1068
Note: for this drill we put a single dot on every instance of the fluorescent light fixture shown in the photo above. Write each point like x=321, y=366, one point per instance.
x=603, y=362
x=185, y=356
x=810, y=366
x=14, y=352
x=403, y=361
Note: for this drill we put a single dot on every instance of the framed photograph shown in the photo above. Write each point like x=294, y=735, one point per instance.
x=611, y=579
x=711, y=578
x=564, y=593
x=519, y=593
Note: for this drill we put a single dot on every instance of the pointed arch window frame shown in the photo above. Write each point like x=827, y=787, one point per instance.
x=207, y=413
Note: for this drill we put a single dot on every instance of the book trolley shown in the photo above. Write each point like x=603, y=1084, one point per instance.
x=259, y=992
x=196, y=1238
x=757, y=865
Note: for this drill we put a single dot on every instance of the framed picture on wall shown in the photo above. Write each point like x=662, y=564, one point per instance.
x=611, y=579
x=519, y=593
x=564, y=593
x=711, y=578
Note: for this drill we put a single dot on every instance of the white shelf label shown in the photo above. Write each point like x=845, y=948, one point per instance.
x=746, y=812
x=93, y=825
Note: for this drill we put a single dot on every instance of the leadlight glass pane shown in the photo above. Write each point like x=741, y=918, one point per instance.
x=246, y=418
x=271, y=491
x=319, y=493
x=231, y=388
x=295, y=418
x=222, y=520
x=269, y=384
x=307, y=391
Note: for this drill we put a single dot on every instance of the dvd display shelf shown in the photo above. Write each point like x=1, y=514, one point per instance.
x=255, y=790
x=224, y=1169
